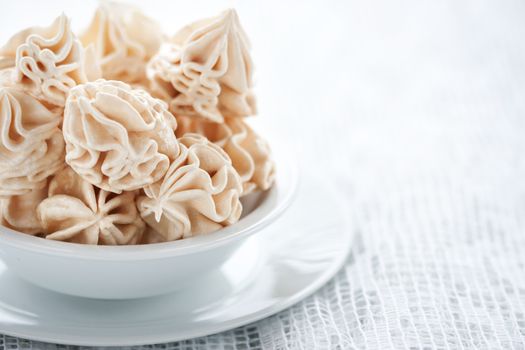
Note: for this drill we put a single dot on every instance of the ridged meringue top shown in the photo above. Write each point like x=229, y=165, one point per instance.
x=206, y=71
x=49, y=61
x=118, y=138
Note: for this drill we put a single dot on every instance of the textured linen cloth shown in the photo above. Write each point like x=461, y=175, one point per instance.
x=416, y=110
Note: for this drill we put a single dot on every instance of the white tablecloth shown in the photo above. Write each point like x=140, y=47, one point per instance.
x=416, y=110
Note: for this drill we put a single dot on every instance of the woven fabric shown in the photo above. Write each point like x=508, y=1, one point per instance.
x=416, y=111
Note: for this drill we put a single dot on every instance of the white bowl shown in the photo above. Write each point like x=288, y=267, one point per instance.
x=125, y=272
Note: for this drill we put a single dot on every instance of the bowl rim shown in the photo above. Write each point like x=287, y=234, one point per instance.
x=277, y=199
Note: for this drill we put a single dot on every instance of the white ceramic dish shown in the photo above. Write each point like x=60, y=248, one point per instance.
x=125, y=272
x=273, y=270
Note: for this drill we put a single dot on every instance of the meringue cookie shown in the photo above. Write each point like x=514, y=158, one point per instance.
x=31, y=143
x=19, y=212
x=206, y=70
x=50, y=61
x=78, y=212
x=199, y=193
x=118, y=138
x=125, y=39
x=250, y=154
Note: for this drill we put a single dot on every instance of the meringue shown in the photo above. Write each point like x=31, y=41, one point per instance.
x=118, y=138
x=31, y=143
x=76, y=211
x=199, y=193
x=125, y=39
x=249, y=153
x=19, y=212
x=49, y=61
x=206, y=70
x=122, y=136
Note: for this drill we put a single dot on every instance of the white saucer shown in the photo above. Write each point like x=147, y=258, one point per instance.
x=275, y=269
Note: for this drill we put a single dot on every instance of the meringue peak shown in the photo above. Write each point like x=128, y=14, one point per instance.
x=206, y=71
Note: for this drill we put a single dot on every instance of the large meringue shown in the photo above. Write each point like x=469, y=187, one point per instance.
x=76, y=211
x=206, y=70
x=250, y=154
x=118, y=138
x=125, y=39
x=49, y=61
x=31, y=143
x=199, y=193
x=19, y=212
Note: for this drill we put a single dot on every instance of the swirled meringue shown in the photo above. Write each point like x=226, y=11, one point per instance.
x=199, y=193
x=118, y=138
x=206, y=70
x=125, y=39
x=19, y=212
x=31, y=143
x=250, y=154
x=78, y=212
x=49, y=61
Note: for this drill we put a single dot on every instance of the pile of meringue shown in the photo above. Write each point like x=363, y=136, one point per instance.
x=123, y=135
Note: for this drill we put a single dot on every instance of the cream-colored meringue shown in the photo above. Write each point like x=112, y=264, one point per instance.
x=76, y=211
x=206, y=70
x=125, y=39
x=31, y=143
x=118, y=138
x=49, y=61
x=250, y=154
x=199, y=193
x=19, y=212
